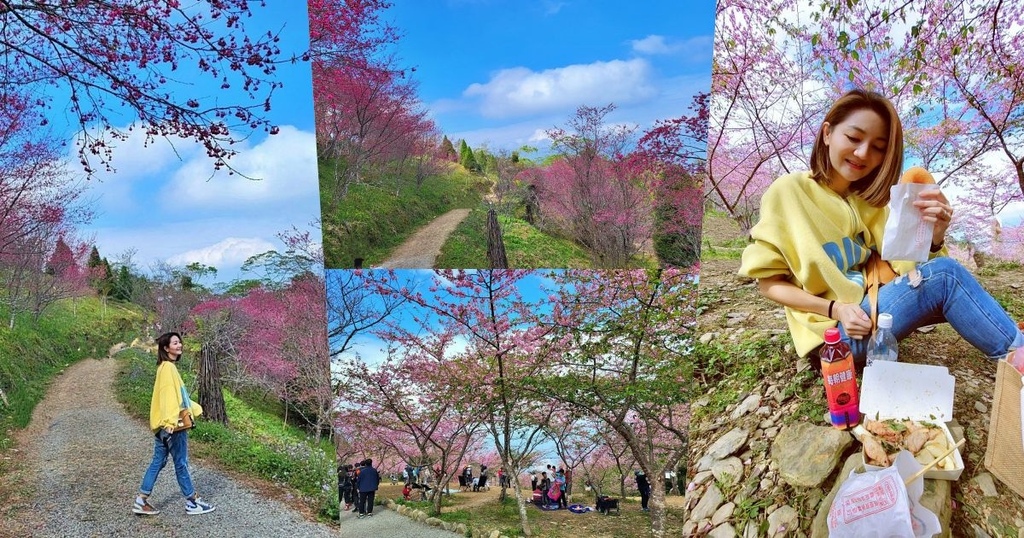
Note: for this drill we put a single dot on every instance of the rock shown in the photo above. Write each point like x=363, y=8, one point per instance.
x=708, y=504
x=979, y=532
x=706, y=338
x=690, y=528
x=723, y=448
x=116, y=348
x=461, y=528
x=748, y=405
x=782, y=521
x=980, y=407
x=723, y=514
x=987, y=485
x=807, y=454
x=494, y=534
x=766, y=423
x=750, y=530
x=728, y=471
x=763, y=411
x=701, y=477
x=434, y=522
x=724, y=530
x=819, y=528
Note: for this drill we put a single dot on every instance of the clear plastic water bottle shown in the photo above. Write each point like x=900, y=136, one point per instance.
x=883, y=345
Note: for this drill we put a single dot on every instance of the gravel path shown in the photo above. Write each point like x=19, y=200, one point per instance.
x=85, y=459
x=387, y=524
x=420, y=250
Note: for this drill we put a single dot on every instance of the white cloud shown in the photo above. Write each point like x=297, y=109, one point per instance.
x=283, y=167
x=695, y=48
x=231, y=251
x=540, y=135
x=552, y=8
x=653, y=44
x=520, y=91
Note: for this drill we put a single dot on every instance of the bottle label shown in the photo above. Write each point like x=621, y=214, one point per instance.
x=841, y=387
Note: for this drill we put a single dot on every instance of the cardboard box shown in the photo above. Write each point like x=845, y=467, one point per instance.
x=918, y=392
x=1004, y=455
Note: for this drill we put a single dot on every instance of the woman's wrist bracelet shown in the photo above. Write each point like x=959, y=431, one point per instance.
x=830, y=305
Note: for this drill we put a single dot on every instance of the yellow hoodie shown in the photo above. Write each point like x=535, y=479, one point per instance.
x=169, y=397
x=820, y=241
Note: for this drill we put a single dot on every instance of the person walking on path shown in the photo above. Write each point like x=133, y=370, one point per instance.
x=367, y=483
x=346, y=486
x=644, y=486
x=169, y=399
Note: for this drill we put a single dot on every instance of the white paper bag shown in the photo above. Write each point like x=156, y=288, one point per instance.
x=877, y=503
x=907, y=235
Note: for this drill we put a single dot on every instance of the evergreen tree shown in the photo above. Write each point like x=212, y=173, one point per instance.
x=104, y=284
x=94, y=258
x=448, y=150
x=466, y=158
x=122, y=285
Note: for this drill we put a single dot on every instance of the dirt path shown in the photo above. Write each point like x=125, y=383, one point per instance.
x=420, y=250
x=81, y=462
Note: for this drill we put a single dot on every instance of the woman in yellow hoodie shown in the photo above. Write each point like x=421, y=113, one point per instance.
x=169, y=398
x=818, y=228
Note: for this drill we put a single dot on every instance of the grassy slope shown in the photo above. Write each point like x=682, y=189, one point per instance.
x=371, y=221
x=35, y=352
x=525, y=246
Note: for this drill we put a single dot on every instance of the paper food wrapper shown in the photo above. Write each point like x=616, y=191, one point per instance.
x=877, y=503
x=907, y=236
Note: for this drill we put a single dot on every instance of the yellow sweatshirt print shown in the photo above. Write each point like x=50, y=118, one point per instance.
x=169, y=398
x=820, y=241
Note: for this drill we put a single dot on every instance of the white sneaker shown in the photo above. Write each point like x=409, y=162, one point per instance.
x=197, y=506
x=143, y=508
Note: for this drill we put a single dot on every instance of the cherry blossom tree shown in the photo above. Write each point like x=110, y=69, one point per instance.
x=949, y=68
x=629, y=331
x=591, y=193
x=397, y=402
x=487, y=312
x=139, y=58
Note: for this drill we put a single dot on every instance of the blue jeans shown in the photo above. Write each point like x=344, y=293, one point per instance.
x=947, y=292
x=177, y=447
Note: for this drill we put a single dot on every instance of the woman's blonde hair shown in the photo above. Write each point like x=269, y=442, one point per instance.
x=874, y=187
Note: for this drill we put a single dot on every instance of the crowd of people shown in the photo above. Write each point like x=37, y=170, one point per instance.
x=357, y=487
x=551, y=487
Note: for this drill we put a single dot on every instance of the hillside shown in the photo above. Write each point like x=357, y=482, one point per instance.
x=748, y=351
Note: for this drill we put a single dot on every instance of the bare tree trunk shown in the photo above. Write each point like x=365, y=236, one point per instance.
x=523, y=519
x=657, y=506
x=495, y=245
x=211, y=395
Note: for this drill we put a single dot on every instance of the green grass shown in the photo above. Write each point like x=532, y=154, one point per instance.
x=728, y=250
x=36, y=351
x=525, y=246
x=256, y=443
x=371, y=221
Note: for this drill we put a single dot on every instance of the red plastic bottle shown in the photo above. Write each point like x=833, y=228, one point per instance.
x=840, y=381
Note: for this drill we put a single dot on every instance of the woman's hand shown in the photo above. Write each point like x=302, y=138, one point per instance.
x=855, y=321
x=935, y=208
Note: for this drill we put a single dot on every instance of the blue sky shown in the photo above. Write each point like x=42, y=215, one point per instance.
x=500, y=72
x=166, y=202
x=372, y=350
